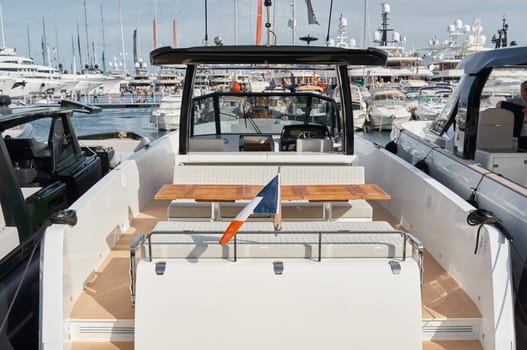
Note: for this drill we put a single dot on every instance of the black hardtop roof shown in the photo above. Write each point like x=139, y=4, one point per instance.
x=267, y=55
x=509, y=56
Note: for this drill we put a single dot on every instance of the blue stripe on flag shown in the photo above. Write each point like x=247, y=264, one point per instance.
x=269, y=195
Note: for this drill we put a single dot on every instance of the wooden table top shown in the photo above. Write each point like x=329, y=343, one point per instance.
x=226, y=193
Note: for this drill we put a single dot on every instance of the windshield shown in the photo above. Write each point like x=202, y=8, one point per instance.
x=442, y=119
x=260, y=113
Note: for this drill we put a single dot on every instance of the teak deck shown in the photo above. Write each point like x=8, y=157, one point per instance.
x=107, y=294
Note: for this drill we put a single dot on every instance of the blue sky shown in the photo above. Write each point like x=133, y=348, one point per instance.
x=416, y=20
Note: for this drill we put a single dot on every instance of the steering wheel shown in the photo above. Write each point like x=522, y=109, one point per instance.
x=309, y=134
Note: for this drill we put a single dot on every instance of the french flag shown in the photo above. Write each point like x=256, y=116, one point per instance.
x=265, y=202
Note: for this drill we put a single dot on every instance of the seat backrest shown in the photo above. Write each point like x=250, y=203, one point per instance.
x=495, y=129
x=314, y=145
x=206, y=145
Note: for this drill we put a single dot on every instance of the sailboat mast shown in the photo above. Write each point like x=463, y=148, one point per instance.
x=79, y=46
x=259, y=24
x=206, y=40
x=235, y=22
x=154, y=24
x=28, y=42
x=86, y=30
x=57, y=52
x=174, y=38
x=44, y=41
x=292, y=22
x=2, y=24
x=122, y=38
x=103, y=59
x=365, y=28
x=73, y=64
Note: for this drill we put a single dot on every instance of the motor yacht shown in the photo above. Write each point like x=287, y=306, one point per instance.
x=475, y=149
x=166, y=116
x=387, y=106
x=40, y=177
x=356, y=248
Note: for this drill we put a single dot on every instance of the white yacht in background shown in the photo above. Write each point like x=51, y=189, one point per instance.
x=166, y=116
x=442, y=57
x=387, y=106
x=29, y=78
x=430, y=102
x=363, y=251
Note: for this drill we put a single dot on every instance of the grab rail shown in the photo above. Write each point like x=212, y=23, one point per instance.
x=138, y=241
x=148, y=244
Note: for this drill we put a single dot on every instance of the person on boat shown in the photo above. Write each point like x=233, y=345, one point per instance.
x=518, y=105
x=236, y=86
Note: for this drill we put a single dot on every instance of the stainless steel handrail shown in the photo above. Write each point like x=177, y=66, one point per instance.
x=138, y=241
x=406, y=238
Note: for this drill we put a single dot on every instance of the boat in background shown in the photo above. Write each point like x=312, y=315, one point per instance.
x=430, y=101
x=387, y=106
x=443, y=57
x=354, y=227
x=166, y=116
x=40, y=178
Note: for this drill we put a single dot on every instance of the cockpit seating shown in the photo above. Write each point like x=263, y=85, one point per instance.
x=495, y=129
x=28, y=153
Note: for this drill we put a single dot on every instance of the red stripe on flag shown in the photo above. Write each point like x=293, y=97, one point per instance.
x=231, y=231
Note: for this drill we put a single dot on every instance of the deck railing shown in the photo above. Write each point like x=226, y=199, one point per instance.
x=182, y=245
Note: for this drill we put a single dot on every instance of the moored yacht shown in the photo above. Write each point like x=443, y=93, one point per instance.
x=40, y=177
x=166, y=116
x=349, y=246
x=478, y=150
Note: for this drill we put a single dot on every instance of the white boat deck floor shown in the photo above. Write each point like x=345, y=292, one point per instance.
x=107, y=294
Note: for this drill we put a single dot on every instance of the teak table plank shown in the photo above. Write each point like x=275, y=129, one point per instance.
x=224, y=193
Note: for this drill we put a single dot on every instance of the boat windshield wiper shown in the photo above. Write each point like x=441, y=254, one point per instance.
x=248, y=117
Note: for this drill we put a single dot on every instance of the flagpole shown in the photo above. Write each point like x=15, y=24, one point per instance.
x=278, y=215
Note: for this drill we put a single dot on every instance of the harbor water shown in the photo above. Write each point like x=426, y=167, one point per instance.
x=138, y=120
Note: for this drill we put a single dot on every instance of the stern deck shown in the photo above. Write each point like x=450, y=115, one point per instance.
x=104, y=310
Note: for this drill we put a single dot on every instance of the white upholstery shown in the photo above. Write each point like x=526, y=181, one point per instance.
x=184, y=210
x=219, y=174
x=314, y=145
x=206, y=145
x=495, y=129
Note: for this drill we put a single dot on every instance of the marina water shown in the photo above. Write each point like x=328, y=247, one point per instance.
x=138, y=120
